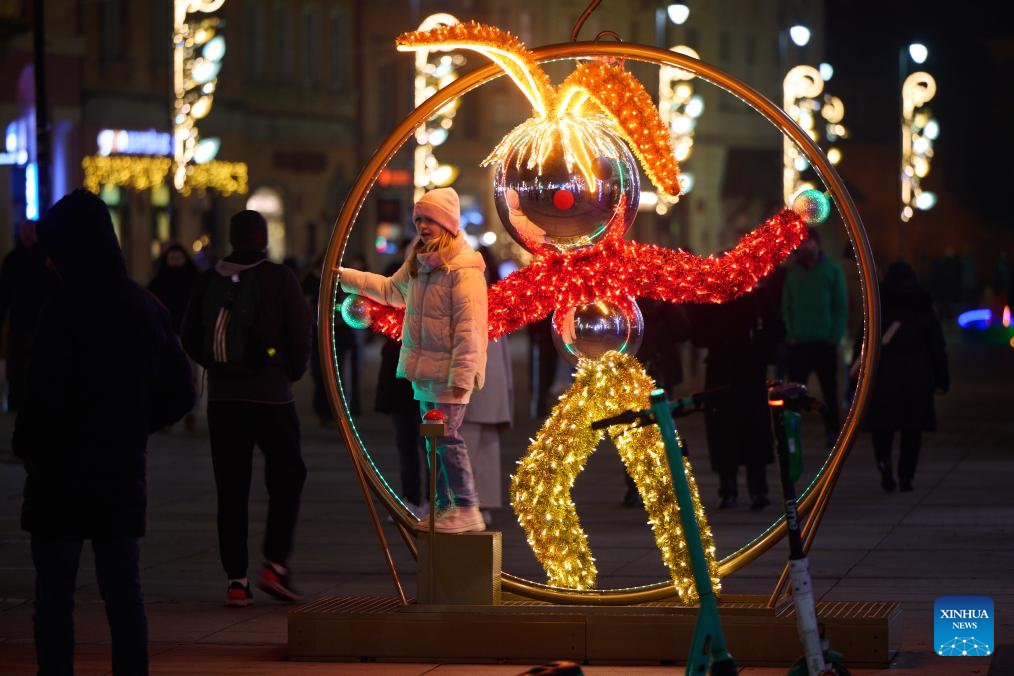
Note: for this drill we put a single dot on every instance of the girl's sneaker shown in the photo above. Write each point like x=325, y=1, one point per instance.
x=460, y=520
x=238, y=595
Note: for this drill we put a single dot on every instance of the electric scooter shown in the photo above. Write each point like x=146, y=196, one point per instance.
x=786, y=401
x=708, y=652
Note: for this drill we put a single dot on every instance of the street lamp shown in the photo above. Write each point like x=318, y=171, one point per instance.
x=678, y=13
x=800, y=35
x=918, y=52
x=918, y=132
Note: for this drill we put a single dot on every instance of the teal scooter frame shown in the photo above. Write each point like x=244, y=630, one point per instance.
x=708, y=651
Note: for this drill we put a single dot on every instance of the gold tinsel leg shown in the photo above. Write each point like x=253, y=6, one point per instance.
x=644, y=455
x=540, y=490
x=540, y=493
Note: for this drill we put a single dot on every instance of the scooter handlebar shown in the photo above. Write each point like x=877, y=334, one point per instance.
x=679, y=407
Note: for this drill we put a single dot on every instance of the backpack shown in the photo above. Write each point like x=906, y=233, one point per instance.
x=230, y=306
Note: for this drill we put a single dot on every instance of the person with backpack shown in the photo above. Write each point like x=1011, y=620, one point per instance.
x=248, y=324
x=106, y=370
x=442, y=287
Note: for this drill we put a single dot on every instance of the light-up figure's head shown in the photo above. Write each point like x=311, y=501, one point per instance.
x=547, y=194
x=567, y=173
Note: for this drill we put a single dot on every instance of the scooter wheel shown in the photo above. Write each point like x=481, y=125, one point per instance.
x=723, y=668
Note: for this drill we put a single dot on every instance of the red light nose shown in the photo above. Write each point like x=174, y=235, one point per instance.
x=435, y=414
x=563, y=199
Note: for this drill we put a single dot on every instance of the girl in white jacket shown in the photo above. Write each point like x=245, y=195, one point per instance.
x=442, y=287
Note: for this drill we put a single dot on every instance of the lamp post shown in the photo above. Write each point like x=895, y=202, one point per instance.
x=918, y=132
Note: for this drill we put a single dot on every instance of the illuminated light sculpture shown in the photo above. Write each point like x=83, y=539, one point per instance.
x=680, y=108
x=918, y=132
x=805, y=101
x=540, y=489
x=813, y=501
x=198, y=49
x=566, y=188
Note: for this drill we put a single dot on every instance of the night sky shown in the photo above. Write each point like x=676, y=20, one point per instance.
x=971, y=47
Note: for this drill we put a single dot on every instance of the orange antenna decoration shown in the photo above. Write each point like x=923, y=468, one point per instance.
x=498, y=46
x=594, y=96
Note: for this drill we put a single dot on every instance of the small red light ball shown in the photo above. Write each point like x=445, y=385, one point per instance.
x=563, y=199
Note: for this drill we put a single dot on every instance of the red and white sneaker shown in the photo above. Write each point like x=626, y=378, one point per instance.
x=238, y=595
x=278, y=583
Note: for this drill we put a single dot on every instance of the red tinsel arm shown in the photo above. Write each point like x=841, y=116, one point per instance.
x=619, y=269
x=387, y=320
x=679, y=277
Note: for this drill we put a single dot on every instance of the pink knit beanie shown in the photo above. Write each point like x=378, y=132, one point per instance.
x=441, y=206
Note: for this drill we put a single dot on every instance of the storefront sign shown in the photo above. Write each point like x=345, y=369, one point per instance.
x=124, y=142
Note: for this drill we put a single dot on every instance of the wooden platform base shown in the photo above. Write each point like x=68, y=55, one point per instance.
x=518, y=630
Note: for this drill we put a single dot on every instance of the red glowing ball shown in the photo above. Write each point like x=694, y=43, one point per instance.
x=563, y=199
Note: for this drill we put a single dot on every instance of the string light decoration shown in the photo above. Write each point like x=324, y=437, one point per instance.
x=198, y=49
x=226, y=178
x=617, y=269
x=680, y=108
x=137, y=173
x=807, y=103
x=432, y=74
x=918, y=132
x=540, y=489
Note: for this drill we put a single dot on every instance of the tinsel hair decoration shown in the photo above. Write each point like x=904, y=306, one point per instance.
x=595, y=91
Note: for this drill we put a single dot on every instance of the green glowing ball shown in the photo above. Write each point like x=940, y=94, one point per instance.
x=357, y=312
x=813, y=206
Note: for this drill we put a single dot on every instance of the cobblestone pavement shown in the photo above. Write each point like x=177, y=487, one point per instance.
x=952, y=536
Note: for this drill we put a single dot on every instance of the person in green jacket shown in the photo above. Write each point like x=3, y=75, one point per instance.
x=815, y=308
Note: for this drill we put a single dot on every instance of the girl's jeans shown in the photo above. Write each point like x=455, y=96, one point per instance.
x=455, y=483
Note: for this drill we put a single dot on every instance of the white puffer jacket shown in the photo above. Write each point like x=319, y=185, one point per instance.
x=443, y=339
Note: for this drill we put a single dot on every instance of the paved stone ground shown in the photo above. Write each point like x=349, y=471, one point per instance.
x=951, y=536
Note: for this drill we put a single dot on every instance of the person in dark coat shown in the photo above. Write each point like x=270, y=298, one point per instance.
x=250, y=403
x=543, y=360
x=666, y=325
x=311, y=290
x=912, y=369
x=26, y=282
x=106, y=371
x=174, y=282
x=737, y=422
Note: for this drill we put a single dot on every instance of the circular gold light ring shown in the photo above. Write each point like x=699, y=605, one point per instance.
x=816, y=494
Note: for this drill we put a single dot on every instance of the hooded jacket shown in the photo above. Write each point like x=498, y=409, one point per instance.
x=106, y=371
x=280, y=335
x=443, y=338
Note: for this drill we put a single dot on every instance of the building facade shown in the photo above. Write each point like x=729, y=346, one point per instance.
x=308, y=89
